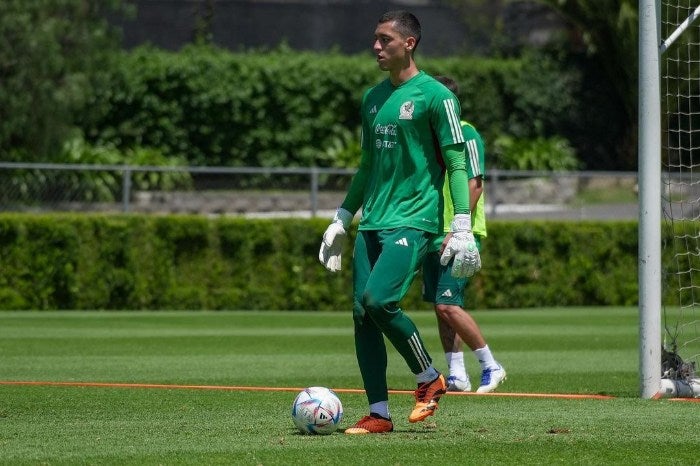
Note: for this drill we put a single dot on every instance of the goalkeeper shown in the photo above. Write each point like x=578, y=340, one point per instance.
x=408, y=121
x=447, y=292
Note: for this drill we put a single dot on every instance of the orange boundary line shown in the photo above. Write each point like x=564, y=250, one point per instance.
x=287, y=389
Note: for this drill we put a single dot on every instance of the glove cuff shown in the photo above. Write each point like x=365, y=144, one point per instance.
x=461, y=222
x=343, y=216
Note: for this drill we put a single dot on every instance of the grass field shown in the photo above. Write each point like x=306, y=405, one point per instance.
x=216, y=420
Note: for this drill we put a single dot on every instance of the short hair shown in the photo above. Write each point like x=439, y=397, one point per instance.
x=449, y=83
x=405, y=23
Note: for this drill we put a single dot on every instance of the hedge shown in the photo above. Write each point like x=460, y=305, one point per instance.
x=291, y=108
x=106, y=262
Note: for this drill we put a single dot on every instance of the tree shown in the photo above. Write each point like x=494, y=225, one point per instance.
x=602, y=43
x=608, y=30
x=52, y=52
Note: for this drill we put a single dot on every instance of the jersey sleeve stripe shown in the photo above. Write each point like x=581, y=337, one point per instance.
x=473, y=155
x=455, y=125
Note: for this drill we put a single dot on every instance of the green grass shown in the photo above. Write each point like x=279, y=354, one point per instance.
x=585, y=350
x=610, y=195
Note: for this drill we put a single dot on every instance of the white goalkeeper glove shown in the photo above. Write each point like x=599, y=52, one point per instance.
x=462, y=247
x=333, y=240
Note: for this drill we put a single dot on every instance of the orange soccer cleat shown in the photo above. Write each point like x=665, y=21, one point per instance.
x=427, y=396
x=372, y=424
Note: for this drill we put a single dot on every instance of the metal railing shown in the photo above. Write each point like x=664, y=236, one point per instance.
x=129, y=188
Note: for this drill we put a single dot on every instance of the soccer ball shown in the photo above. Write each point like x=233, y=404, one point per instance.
x=317, y=410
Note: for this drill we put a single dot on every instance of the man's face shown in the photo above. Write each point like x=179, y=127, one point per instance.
x=391, y=48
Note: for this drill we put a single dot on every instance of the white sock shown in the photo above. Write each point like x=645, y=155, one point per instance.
x=381, y=408
x=455, y=361
x=486, y=358
x=427, y=375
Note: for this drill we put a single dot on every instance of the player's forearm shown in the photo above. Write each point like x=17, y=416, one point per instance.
x=457, y=175
x=476, y=188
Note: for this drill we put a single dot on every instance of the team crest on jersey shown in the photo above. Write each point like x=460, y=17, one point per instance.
x=406, y=111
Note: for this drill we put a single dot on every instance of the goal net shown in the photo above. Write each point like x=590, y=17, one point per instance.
x=680, y=196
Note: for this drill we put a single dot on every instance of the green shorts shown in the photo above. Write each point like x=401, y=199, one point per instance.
x=439, y=286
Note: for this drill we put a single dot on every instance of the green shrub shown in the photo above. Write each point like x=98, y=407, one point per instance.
x=553, y=153
x=214, y=107
x=299, y=109
x=192, y=262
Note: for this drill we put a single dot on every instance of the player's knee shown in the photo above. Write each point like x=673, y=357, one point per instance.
x=378, y=309
x=445, y=311
x=369, y=302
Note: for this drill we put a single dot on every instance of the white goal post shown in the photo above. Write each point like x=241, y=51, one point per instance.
x=649, y=183
x=669, y=185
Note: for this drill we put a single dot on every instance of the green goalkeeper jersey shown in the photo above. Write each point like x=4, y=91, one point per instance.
x=402, y=172
x=475, y=154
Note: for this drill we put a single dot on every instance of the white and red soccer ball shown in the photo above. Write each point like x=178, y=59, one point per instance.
x=317, y=410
